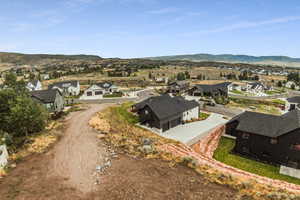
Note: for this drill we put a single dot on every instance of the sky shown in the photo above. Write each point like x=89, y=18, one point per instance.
x=143, y=28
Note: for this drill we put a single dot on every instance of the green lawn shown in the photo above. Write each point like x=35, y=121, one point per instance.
x=223, y=154
x=114, y=95
x=273, y=92
x=203, y=115
x=237, y=92
x=125, y=114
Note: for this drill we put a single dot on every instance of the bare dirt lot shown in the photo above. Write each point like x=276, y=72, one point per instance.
x=66, y=172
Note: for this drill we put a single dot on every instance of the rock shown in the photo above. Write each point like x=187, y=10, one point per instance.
x=147, y=149
x=146, y=141
x=107, y=164
x=100, y=136
x=13, y=165
x=99, y=168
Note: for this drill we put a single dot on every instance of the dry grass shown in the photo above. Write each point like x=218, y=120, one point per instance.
x=127, y=137
x=40, y=142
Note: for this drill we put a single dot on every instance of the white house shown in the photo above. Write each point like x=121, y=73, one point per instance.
x=34, y=85
x=67, y=88
x=45, y=76
x=97, y=90
x=290, y=84
x=255, y=87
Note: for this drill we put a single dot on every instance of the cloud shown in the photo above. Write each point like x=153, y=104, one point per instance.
x=163, y=11
x=247, y=25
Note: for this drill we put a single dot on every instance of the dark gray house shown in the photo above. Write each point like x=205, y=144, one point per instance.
x=165, y=112
x=220, y=89
x=178, y=87
x=53, y=100
x=268, y=138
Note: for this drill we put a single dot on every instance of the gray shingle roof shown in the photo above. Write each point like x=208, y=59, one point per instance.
x=295, y=99
x=166, y=106
x=256, y=84
x=212, y=88
x=268, y=125
x=104, y=85
x=45, y=96
x=64, y=84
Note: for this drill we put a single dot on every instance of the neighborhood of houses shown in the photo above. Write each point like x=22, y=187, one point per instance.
x=177, y=113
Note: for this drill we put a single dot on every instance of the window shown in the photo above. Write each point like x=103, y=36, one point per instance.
x=295, y=147
x=146, y=112
x=245, y=135
x=89, y=94
x=245, y=149
x=98, y=92
x=273, y=141
x=292, y=163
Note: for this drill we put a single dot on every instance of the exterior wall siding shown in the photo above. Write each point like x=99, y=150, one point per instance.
x=191, y=114
x=260, y=148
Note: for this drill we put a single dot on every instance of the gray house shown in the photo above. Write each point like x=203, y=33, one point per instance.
x=53, y=100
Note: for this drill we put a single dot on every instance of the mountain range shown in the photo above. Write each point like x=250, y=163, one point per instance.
x=268, y=60
x=18, y=58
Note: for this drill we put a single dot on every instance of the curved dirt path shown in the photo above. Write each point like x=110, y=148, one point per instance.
x=79, y=152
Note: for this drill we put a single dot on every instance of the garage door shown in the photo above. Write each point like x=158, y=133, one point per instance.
x=175, y=122
x=165, y=126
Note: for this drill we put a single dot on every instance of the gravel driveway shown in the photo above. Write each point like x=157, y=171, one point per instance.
x=79, y=151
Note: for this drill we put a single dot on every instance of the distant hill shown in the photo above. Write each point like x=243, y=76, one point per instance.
x=270, y=60
x=18, y=58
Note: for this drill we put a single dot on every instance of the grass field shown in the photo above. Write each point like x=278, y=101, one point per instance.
x=122, y=111
x=268, y=107
x=223, y=154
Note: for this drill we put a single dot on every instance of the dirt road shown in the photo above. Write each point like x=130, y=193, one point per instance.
x=66, y=172
x=79, y=152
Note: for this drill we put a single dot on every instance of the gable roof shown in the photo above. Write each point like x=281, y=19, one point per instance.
x=45, y=96
x=268, y=125
x=179, y=83
x=166, y=106
x=35, y=82
x=64, y=84
x=256, y=84
x=295, y=99
x=210, y=88
x=104, y=85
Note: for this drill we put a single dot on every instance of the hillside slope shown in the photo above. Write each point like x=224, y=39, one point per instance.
x=18, y=58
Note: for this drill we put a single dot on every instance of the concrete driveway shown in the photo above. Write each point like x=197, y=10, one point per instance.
x=192, y=132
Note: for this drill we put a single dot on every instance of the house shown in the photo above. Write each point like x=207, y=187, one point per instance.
x=178, y=86
x=161, y=79
x=67, y=88
x=292, y=85
x=255, y=87
x=220, y=89
x=53, y=99
x=165, y=112
x=267, y=138
x=34, y=85
x=97, y=90
x=292, y=103
x=45, y=76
